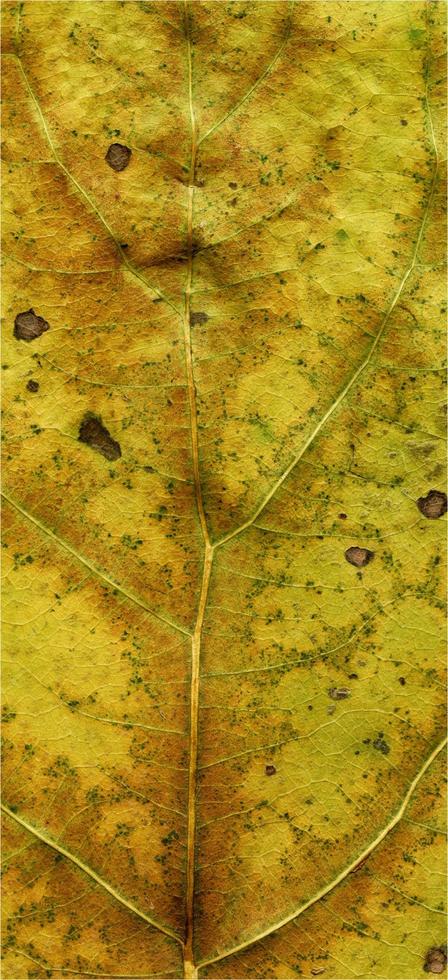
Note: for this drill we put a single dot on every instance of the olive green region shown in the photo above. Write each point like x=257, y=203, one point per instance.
x=224, y=454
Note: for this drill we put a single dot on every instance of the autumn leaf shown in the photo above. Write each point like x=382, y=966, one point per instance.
x=223, y=294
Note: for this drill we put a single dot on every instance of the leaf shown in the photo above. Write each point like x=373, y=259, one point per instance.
x=223, y=714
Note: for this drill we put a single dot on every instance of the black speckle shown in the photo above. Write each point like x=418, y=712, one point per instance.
x=118, y=156
x=359, y=556
x=342, y=517
x=94, y=434
x=28, y=325
x=270, y=770
x=433, y=505
x=32, y=385
x=381, y=745
x=402, y=681
x=403, y=122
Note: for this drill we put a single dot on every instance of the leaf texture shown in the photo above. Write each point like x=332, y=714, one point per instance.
x=223, y=677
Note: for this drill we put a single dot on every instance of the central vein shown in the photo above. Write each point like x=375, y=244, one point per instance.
x=190, y=970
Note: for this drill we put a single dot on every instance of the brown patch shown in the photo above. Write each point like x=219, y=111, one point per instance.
x=28, y=325
x=32, y=385
x=233, y=185
x=198, y=318
x=433, y=505
x=270, y=770
x=339, y=693
x=436, y=959
x=94, y=434
x=359, y=556
x=118, y=156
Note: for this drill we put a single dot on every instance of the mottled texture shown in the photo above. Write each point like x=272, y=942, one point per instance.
x=223, y=718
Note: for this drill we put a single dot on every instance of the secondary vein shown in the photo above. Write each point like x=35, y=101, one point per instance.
x=88, y=871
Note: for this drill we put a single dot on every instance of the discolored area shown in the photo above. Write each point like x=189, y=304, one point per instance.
x=118, y=157
x=28, y=326
x=94, y=434
x=359, y=556
x=434, y=505
x=222, y=735
x=378, y=920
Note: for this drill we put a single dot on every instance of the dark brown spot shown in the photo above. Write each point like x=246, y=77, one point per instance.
x=28, y=326
x=359, y=556
x=403, y=122
x=118, y=156
x=433, y=505
x=94, y=434
x=402, y=681
x=342, y=517
x=339, y=693
x=198, y=318
x=32, y=385
x=436, y=959
x=233, y=185
x=270, y=770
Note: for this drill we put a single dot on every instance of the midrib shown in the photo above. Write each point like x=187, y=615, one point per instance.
x=190, y=969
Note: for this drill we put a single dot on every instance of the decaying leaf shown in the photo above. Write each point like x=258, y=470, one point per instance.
x=223, y=709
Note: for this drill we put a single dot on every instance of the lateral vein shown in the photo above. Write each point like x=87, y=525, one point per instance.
x=343, y=874
x=89, y=871
x=92, y=568
x=365, y=363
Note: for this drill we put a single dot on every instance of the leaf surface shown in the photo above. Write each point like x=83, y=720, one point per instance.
x=224, y=711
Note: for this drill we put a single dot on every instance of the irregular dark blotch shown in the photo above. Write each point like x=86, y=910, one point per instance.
x=233, y=185
x=28, y=325
x=270, y=770
x=433, y=505
x=359, y=556
x=339, y=693
x=436, y=959
x=32, y=385
x=198, y=318
x=118, y=156
x=94, y=434
x=381, y=745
